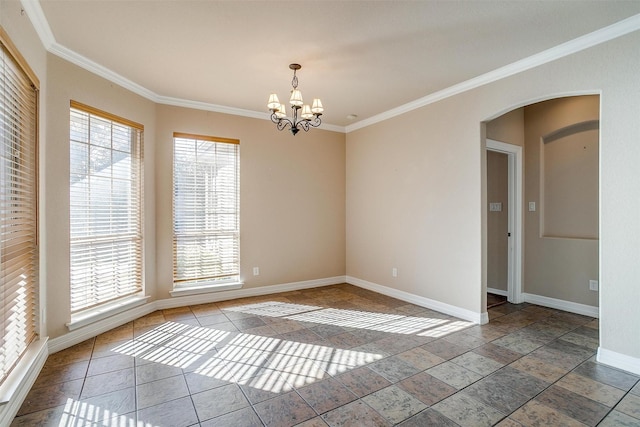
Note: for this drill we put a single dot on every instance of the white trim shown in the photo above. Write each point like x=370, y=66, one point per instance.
x=105, y=311
x=39, y=21
x=99, y=70
x=516, y=223
x=618, y=29
x=484, y=318
x=594, y=38
x=17, y=385
x=451, y=310
x=96, y=328
x=619, y=360
x=497, y=291
x=244, y=293
x=205, y=289
x=93, y=329
x=571, y=307
x=199, y=105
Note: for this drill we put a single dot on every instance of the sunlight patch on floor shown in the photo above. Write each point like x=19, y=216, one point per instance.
x=273, y=308
x=271, y=363
x=239, y=357
x=79, y=414
x=383, y=322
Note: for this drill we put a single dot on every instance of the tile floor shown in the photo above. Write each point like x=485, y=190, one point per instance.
x=337, y=356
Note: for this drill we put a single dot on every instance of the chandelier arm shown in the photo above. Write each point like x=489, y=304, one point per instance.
x=304, y=124
x=315, y=122
x=283, y=123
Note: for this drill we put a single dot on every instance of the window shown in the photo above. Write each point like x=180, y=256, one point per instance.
x=18, y=206
x=105, y=207
x=206, y=210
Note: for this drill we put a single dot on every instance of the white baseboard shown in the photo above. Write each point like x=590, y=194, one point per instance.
x=243, y=293
x=89, y=331
x=77, y=336
x=618, y=360
x=479, y=318
x=572, y=307
x=497, y=292
x=484, y=318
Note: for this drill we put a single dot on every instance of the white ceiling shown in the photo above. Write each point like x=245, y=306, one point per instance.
x=359, y=57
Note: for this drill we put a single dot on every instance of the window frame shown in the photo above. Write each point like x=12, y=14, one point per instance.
x=118, y=301
x=192, y=285
x=31, y=348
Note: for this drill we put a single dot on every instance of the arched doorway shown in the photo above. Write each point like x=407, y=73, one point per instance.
x=559, y=206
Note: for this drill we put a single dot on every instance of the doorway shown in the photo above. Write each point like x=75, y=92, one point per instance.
x=557, y=225
x=504, y=217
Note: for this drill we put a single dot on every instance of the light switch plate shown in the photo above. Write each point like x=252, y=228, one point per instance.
x=495, y=207
x=532, y=206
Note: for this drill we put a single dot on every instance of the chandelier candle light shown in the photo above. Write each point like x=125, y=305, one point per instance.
x=309, y=116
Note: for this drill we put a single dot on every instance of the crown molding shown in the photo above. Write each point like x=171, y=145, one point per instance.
x=41, y=25
x=99, y=70
x=39, y=21
x=198, y=105
x=594, y=38
x=621, y=28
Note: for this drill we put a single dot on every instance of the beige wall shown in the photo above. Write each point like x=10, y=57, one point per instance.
x=508, y=128
x=414, y=203
x=569, y=182
x=556, y=267
x=292, y=197
x=497, y=221
x=415, y=198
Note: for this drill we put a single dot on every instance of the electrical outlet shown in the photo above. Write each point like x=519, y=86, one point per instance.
x=394, y=272
x=593, y=285
x=256, y=271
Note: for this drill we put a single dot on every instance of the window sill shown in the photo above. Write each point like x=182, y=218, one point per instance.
x=25, y=372
x=205, y=289
x=104, y=311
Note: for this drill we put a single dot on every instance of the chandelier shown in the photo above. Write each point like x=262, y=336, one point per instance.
x=309, y=116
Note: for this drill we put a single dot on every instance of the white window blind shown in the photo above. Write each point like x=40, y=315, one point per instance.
x=206, y=209
x=18, y=207
x=105, y=207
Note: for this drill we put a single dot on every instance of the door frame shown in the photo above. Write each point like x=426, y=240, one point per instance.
x=515, y=217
